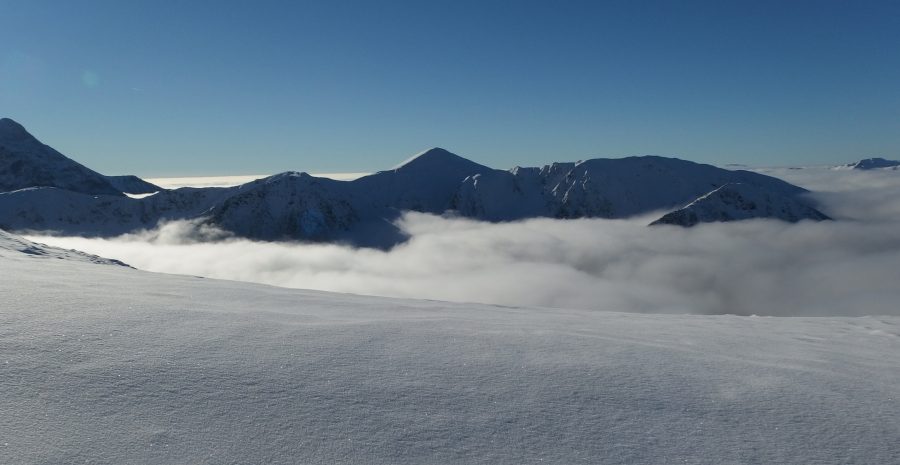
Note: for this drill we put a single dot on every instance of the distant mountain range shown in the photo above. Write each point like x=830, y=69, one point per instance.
x=42, y=190
x=874, y=164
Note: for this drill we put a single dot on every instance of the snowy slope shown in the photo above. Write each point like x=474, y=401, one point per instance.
x=26, y=162
x=13, y=246
x=130, y=184
x=734, y=202
x=605, y=188
x=61, y=211
x=362, y=211
x=109, y=365
x=874, y=163
x=300, y=206
x=285, y=206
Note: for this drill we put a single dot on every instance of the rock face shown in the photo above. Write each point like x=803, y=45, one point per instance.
x=874, y=163
x=42, y=190
x=733, y=202
x=26, y=162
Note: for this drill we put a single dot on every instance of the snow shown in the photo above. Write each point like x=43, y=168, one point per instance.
x=874, y=163
x=106, y=364
x=12, y=245
x=605, y=188
x=132, y=185
x=738, y=201
x=298, y=206
x=26, y=162
x=362, y=211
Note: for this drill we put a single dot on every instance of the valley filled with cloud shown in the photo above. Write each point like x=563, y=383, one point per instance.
x=758, y=267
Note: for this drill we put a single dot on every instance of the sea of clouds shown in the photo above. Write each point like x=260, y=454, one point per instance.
x=850, y=266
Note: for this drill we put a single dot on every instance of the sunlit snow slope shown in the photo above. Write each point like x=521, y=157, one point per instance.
x=110, y=365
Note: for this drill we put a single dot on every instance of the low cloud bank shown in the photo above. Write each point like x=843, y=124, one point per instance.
x=845, y=267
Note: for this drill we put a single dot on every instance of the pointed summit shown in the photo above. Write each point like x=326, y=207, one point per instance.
x=12, y=131
x=438, y=159
x=26, y=162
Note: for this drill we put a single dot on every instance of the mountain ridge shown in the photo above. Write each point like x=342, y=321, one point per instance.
x=298, y=206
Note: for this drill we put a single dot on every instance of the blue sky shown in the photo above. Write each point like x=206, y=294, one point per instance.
x=168, y=88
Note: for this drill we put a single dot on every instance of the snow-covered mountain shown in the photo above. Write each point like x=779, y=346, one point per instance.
x=604, y=188
x=131, y=184
x=740, y=201
x=13, y=246
x=65, y=197
x=874, y=163
x=299, y=206
x=26, y=162
x=111, y=365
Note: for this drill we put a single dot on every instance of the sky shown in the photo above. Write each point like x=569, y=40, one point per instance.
x=187, y=88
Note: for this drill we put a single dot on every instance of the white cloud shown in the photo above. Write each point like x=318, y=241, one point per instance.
x=229, y=181
x=845, y=267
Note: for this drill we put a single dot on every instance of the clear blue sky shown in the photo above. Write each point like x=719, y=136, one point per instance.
x=223, y=87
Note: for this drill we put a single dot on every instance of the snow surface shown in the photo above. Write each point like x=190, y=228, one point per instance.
x=12, y=245
x=110, y=365
x=733, y=202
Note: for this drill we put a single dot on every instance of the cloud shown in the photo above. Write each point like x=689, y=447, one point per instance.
x=229, y=181
x=845, y=267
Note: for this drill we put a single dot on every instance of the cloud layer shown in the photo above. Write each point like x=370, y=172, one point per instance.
x=846, y=267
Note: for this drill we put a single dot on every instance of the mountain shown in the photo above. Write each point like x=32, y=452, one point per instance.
x=739, y=201
x=26, y=162
x=132, y=185
x=286, y=206
x=601, y=188
x=874, y=163
x=299, y=206
x=48, y=192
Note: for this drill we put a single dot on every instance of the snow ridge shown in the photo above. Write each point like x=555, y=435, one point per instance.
x=26, y=162
x=739, y=201
x=874, y=163
x=13, y=246
x=45, y=191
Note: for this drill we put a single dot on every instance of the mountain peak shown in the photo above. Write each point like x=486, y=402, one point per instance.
x=11, y=130
x=740, y=201
x=874, y=163
x=435, y=158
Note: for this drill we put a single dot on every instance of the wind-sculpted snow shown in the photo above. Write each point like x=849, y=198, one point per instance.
x=109, y=365
x=14, y=247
